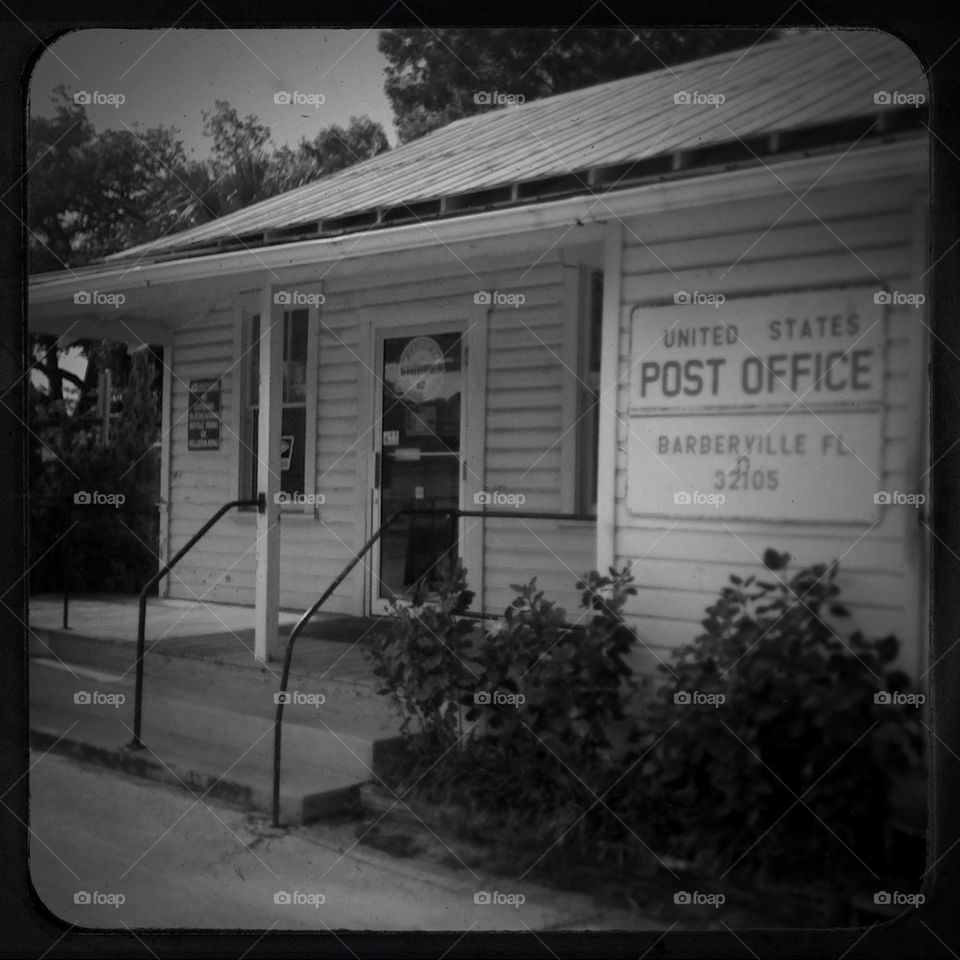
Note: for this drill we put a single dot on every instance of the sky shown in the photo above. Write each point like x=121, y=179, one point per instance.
x=170, y=76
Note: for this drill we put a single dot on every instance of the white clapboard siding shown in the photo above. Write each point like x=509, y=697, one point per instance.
x=528, y=372
x=771, y=245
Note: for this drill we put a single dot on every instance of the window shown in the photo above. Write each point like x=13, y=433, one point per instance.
x=589, y=399
x=294, y=418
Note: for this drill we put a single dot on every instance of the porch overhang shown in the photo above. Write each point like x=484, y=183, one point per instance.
x=162, y=295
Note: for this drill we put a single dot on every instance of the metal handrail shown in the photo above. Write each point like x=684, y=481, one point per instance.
x=261, y=504
x=452, y=512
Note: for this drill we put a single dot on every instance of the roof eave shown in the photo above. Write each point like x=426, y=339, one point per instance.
x=891, y=159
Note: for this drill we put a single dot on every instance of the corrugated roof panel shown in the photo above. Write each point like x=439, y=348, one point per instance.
x=789, y=83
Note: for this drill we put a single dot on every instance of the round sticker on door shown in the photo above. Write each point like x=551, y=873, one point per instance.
x=421, y=369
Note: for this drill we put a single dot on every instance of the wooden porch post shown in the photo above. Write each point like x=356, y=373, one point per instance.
x=609, y=382
x=266, y=639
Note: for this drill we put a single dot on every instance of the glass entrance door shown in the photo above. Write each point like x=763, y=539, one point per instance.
x=418, y=453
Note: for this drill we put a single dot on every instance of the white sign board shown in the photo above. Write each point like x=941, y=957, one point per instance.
x=766, y=408
x=821, y=467
x=824, y=347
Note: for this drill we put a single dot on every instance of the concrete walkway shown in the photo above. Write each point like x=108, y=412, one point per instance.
x=208, y=705
x=115, y=617
x=218, y=632
x=148, y=856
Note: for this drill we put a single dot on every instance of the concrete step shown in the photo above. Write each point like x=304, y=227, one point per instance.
x=88, y=713
x=248, y=686
x=200, y=768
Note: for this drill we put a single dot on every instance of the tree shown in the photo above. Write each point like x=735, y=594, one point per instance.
x=434, y=75
x=99, y=549
x=91, y=194
x=94, y=194
x=336, y=147
x=243, y=169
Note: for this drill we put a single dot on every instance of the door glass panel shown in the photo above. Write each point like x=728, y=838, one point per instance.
x=419, y=459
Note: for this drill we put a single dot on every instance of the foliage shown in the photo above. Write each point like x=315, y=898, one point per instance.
x=784, y=772
x=526, y=762
x=95, y=548
x=434, y=75
x=92, y=194
x=571, y=678
x=422, y=660
x=793, y=769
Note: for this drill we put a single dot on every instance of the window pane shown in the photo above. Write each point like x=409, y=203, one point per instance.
x=295, y=356
x=596, y=321
x=293, y=418
x=254, y=357
x=293, y=430
x=295, y=326
x=293, y=422
x=594, y=417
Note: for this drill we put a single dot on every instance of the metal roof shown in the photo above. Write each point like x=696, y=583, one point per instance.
x=794, y=82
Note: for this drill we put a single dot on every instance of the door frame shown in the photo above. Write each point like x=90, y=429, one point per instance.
x=470, y=323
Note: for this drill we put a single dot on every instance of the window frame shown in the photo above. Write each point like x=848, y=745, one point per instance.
x=243, y=462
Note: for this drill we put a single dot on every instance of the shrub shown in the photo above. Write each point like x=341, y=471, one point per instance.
x=793, y=770
x=573, y=680
x=422, y=659
x=536, y=765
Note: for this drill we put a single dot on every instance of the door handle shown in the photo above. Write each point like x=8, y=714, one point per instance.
x=376, y=470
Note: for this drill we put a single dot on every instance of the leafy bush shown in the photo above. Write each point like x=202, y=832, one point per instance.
x=535, y=764
x=792, y=770
x=96, y=549
x=573, y=679
x=422, y=659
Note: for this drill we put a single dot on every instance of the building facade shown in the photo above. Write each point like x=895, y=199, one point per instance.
x=698, y=323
